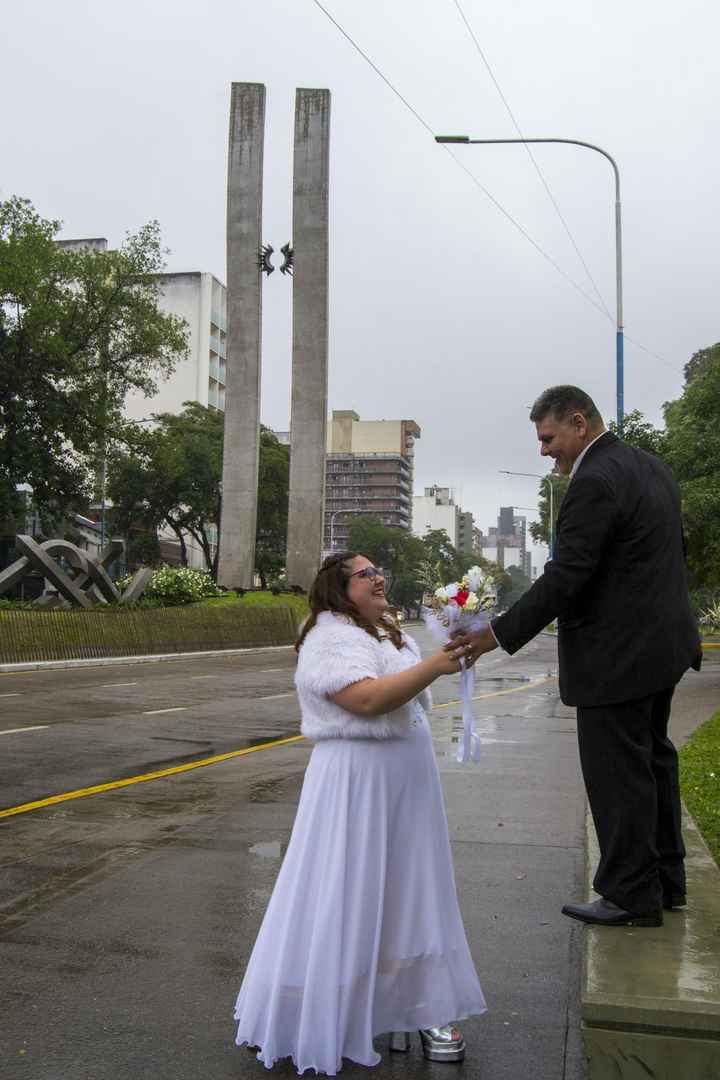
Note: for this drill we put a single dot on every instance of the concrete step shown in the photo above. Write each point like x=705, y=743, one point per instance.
x=651, y=997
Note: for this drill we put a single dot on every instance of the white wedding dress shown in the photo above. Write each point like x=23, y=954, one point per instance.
x=363, y=932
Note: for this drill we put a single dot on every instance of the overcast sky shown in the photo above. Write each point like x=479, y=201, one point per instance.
x=441, y=311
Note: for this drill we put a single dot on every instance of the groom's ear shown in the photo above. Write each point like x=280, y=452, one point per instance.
x=579, y=422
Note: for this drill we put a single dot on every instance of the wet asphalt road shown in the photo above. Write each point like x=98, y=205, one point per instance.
x=126, y=917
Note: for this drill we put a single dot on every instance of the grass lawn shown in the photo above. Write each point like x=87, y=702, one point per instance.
x=700, y=781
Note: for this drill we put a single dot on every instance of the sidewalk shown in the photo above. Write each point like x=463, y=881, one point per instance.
x=517, y=827
x=517, y=823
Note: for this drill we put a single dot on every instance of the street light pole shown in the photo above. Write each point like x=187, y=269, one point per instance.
x=619, y=327
x=547, y=477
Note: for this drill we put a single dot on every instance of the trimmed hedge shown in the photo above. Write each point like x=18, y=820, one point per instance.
x=27, y=636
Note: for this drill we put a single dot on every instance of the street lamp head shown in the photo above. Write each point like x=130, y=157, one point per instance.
x=452, y=139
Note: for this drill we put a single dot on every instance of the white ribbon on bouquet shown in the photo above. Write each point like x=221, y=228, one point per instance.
x=467, y=623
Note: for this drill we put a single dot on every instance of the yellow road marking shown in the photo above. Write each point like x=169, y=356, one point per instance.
x=711, y=644
x=156, y=712
x=17, y=730
x=113, y=784
x=499, y=693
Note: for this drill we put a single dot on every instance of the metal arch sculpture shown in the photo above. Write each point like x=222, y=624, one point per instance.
x=88, y=580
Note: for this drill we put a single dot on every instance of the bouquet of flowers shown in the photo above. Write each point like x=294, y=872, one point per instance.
x=463, y=605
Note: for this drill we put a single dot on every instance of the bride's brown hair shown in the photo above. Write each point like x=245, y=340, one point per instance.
x=329, y=593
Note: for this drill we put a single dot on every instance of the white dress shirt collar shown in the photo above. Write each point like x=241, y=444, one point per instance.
x=578, y=459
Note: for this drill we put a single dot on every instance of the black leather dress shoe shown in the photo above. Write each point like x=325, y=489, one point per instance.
x=674, y=900
x=604, y=913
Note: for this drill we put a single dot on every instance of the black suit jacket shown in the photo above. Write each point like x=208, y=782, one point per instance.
x=617, y=583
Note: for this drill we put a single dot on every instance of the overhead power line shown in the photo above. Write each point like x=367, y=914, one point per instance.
x=532, y=157
x=481, y=187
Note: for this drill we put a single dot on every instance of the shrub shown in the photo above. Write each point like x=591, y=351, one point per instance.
x=710, y=617
x=178, y=585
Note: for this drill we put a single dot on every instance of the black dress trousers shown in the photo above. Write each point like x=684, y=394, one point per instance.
x=630, y=768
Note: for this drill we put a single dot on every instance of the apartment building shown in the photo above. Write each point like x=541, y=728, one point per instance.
x=369, y=471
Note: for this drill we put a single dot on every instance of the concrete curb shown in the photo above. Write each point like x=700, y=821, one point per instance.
x=650, y=998
x=152, y=658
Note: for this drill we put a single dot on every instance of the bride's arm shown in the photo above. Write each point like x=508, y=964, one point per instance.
x=374, y=697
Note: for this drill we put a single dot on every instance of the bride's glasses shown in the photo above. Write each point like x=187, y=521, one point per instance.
x=367, y=572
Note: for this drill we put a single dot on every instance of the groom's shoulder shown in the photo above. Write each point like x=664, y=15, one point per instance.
x=609, y=456
x=621, y=467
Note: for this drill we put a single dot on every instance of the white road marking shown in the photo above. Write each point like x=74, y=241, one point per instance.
x=268, y=697
x=107, y=685
x=15, y=730
x=265, y=670
x=203, y=676
x=156, y=712
x=10, y=695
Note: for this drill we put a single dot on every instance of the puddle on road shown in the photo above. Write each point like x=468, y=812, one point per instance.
x=268, y=849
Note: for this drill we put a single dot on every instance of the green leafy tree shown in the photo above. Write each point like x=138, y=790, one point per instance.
x=380, y=543
x=700, y=361
x=273, y=488
x=540, y=530
x=442, y=555
x=511, y=586
x=692, y=448
x=78, y=331
x=639, y=432
x=171, y=476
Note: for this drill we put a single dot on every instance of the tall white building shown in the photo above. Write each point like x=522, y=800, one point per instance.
x=200, y=299
x=506, y=543
x=436, y=509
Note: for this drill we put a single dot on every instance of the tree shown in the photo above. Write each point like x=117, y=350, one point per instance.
x=382, y=544
x=700, y=361
x=639, y=432
x=273, y=493
x=442, y=555
x=540, y=530
x=171, y=476
x=511, y=587
x=692, y=448
x=78, y=330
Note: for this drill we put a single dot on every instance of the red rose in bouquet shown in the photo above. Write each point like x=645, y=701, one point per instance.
x=461, y=597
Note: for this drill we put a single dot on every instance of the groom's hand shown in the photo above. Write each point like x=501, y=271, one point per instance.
x=469, y=647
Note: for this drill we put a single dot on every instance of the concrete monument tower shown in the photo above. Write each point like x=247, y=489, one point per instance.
x=247, y=260
x=244, y=326
x=308, y=418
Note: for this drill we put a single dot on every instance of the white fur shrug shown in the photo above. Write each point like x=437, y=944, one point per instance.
x=337, y=653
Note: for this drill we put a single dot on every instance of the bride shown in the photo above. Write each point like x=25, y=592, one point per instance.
x=363, y=933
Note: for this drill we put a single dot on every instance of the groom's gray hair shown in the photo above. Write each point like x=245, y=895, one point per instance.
x=561, y=401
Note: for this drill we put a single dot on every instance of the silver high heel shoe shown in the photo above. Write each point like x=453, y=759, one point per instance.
x=438, y=1043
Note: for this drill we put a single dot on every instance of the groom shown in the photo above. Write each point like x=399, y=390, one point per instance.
x=626, y=634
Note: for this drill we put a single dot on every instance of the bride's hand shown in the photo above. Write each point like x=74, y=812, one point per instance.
x=446, y=662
